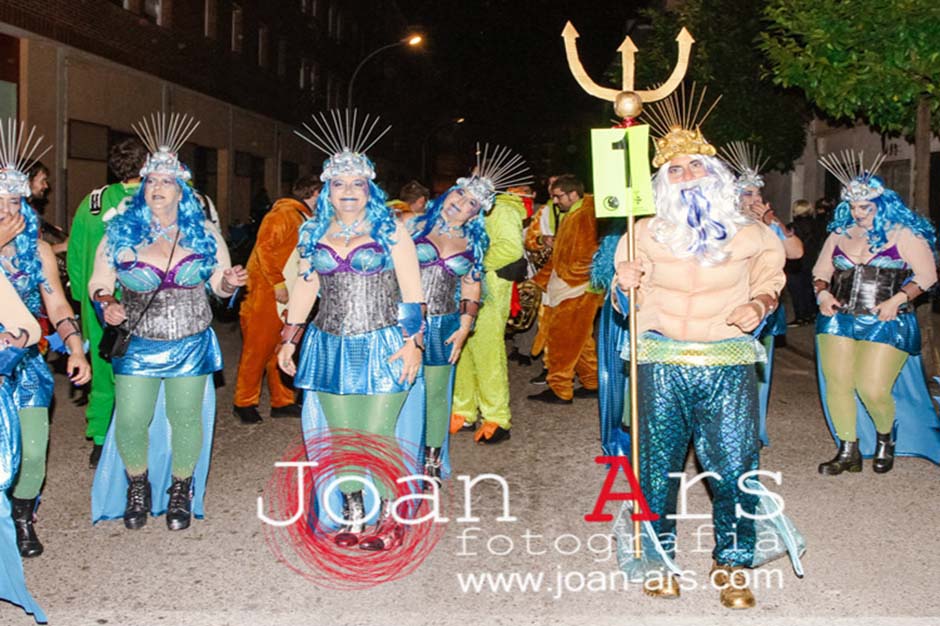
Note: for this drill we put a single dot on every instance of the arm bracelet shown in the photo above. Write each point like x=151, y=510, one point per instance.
x=103, y=297
x=292, y=333
x=66, y=327
x=470, y=307
x=227, y=287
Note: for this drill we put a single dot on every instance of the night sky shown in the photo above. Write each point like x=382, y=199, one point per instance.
x=501, y=64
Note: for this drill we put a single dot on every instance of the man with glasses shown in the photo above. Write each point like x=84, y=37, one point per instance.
x=570, y=303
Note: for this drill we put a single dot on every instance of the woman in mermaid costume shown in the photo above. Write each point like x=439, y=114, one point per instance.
x=19, y=334
x=30, y=265
x=165, y=256
x=362, y=353
x=451, y=241
x=879, y=257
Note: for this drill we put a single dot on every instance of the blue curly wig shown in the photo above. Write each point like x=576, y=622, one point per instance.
x=891, y=211
x=477, y=239
x=379, y=215
x=26, y=260
x=132, y=229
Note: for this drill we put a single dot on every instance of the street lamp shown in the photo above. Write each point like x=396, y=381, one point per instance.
x=410, y=40
x=427, y=140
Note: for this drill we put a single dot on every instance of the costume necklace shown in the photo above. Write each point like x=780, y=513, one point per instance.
x=164, y=231
x=449, y=231
x=348, y=231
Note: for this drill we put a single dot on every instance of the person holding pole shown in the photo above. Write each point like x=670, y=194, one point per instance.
x=705, y=277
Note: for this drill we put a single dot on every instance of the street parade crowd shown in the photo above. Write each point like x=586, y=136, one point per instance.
x=390, y=317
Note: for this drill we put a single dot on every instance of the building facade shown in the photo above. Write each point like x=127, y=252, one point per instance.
x=250, y=70
x=810, y=181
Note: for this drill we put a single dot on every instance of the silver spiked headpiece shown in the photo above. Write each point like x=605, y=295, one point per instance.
x=164, y=135
x=18, y=153
x=748, y=161
x=344, y=138
x=849, y=168
x=495, y=171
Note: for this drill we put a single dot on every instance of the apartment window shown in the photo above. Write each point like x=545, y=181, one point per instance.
x=302, y=83
x=290, y=172
x=237, y=36
x=897, y=176
x=315, y=7
x=211, y=18
x=282, y=57
x=330, y=91
x=134, y=6
x=153, y=11
x=263, y=55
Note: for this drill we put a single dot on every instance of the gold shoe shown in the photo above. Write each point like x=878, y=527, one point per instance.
x=732, y=583
x=661, y=587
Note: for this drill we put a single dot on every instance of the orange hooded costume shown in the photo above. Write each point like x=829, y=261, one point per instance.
x=571, y=305
x=260, y=322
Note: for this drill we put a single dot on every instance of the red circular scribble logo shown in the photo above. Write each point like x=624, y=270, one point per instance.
x=300, y=530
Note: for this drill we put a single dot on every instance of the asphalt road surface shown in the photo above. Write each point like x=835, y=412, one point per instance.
x=873, y=540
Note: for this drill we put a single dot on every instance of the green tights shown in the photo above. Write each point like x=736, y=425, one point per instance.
x=34, y=428
x=375, y=414
x=135, y=399
x=863, y=367
x=437, y=381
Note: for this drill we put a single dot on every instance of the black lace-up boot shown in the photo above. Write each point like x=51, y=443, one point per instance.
x=138, y=501
x=179, y=509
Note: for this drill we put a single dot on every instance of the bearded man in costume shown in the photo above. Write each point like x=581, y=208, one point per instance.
x=706, y=276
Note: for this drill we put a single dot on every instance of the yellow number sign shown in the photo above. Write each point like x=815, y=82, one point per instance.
x=621, y=171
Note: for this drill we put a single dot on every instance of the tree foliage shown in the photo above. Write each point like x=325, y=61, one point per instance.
x=726, y=57
x=869, y=59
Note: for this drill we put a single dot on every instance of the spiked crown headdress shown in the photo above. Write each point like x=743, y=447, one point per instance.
x=748, y=161
x=676, y=123
x=164, y=135
x=344, y=139
x=849, y=168
x=18, y=153
x=495, y=171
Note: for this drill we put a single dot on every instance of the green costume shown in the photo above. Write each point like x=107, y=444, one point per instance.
x=87, y=232
x=482, y=379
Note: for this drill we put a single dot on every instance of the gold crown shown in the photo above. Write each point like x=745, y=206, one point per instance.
x=676, y=120
x=681, y=141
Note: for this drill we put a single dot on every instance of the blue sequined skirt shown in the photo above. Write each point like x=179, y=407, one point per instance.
x=902, y=333
x=196, y=355
x=32, y=381
x=440, y=327
x=350, y=364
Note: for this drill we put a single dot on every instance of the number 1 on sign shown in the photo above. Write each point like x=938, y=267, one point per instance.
x=621, y=171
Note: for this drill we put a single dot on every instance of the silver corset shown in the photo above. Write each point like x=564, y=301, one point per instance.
x=174, y=314
x=440, y=289
x=352, y=304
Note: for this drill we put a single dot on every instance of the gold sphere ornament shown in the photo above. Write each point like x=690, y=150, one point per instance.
x=628, y=104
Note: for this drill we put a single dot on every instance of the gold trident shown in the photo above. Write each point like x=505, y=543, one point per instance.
x=628, y=103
